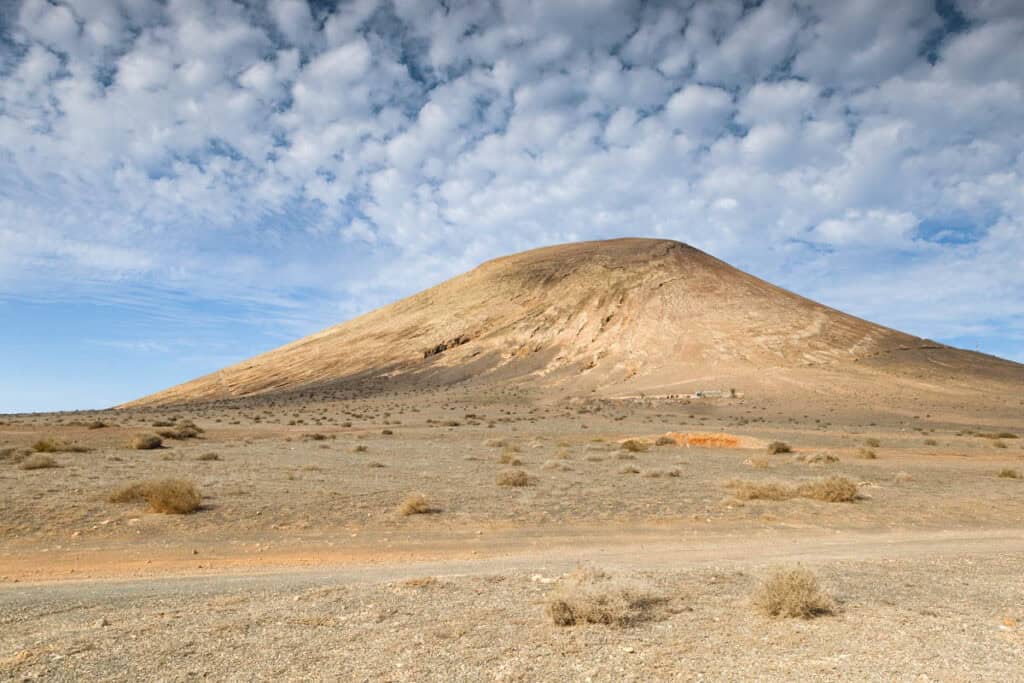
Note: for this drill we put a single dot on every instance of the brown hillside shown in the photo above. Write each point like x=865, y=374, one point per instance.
x=615, y=316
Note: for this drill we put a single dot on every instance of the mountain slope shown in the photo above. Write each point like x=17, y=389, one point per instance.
x=615, y=315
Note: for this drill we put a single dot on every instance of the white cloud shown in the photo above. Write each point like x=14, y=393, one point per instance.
x=205, y=144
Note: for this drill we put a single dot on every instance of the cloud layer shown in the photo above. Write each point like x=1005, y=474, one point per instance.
x=322, y=160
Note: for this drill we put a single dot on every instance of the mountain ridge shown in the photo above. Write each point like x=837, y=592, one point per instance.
x=585, y=316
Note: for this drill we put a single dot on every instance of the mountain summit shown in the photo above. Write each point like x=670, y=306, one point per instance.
x=617, y=317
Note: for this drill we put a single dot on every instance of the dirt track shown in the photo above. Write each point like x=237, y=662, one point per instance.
x=913, y=604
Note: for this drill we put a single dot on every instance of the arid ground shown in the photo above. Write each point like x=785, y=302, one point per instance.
x=300, y=562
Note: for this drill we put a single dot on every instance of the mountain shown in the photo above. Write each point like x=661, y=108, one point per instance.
x=617, y=317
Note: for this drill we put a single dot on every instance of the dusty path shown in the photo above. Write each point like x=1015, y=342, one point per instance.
x=104, y=575
x=912, y=606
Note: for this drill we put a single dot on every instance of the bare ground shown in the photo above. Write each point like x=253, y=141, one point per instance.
x=298, y=566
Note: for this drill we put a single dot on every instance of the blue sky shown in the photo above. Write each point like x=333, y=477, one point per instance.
x=184, y=184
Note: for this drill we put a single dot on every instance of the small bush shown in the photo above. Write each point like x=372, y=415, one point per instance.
x=97, y=424
x=592, y=597
x=38, y=461
x=168, y=496
x=634, y=446
x=206, y=457
x=931, y=442
x=779, y=447
x=1005, y=473
x=866, y=454
x=54, y=446
x=415, y=504
x=902, y=477
x=872, y=443
x=999, y=444
x=147, y=442
x=792, y=593
x=829, y=490
x=512, y=478
x=665, y=441
x=509, y=457
x=360, y=448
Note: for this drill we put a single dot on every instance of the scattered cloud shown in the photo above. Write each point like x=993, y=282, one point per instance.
x=326, y=158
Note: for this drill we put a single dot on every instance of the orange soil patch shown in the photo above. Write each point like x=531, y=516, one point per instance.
x=706, y=439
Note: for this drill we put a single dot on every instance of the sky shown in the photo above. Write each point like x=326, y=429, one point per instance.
x=186, y=183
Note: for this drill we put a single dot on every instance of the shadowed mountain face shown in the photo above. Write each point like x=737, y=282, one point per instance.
x=616, y=317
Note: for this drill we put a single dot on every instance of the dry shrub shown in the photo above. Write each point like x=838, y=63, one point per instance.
x=866, y=454
x=1005, y=473
x=415, y=504
x=38, y=461
x=147, y=442
x=360, y=448
x=999, y=444
x=629, y=469
x=593, y=597
x=931, y=442
x=512, y=478
x=872, y=443
x=169, y=496
x=665, y=441
x=634, y=446
x=209, y=456
x=902, y=477
x=792, y=593
x=829, y=490
x=495, y=443
x=509, y=457
x=54, y=446
x=776, y=447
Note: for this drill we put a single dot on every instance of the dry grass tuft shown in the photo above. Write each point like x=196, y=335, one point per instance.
x=205, y=457
x=147, y=442
x=168, y=496
x=38, y=461
x=54, y=446
x=634, y=446
x=509, y=457
x=592, y=597
x=1005, y=473
x=415, y=504
x=512, y=478
x=866, y=454
x=902, y=477
x=665, y=441
x=792, y=593
x=779, y=447
x=829, y=490
x=872, y=443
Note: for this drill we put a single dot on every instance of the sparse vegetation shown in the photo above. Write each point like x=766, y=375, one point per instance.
x=415, y=504
x=779, y=447
x=593, y=597
x=206, y=457
x=634, y=446
x=872, y=443
x=168, y=496
x=147, y=442
x=665, y=441
x=50, y=445
x=512, y=478
x=792, y=593
x=866, y=454
x=1010, y=473
x=38, y=461
x=829, y=490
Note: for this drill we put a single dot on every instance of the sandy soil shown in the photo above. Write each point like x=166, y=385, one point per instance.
x=298, y=566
